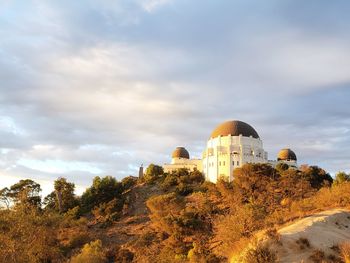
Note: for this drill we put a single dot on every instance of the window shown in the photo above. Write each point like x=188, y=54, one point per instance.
x=237, y=163
x=219, y=163
x=233, y=163
x=224, y=163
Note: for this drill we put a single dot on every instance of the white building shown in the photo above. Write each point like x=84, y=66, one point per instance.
x=180, y=158
x=231, y=145
x=286, y=156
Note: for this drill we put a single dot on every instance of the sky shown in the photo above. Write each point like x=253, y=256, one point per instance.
x=95, y=88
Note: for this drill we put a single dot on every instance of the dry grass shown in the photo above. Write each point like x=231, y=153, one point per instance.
x=345, y=252
x=318, y=256
x=261, y=253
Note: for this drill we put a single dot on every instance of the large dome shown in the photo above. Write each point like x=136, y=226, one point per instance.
x=234, y=128
x=181, y=152
x=286, y=155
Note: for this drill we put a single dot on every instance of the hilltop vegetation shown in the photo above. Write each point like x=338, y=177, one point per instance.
x=176, y=217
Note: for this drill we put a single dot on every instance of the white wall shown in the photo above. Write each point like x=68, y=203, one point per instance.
x=225, y=153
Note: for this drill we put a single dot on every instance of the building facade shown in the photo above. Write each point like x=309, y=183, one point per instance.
x=231, y=145
x=180, y=158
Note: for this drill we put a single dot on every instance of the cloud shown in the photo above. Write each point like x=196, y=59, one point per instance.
x=100, y=88
x=151, y=5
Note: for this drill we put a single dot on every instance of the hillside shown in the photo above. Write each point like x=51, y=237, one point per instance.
x=322, y=232
x=133, y=223
x=180, y=217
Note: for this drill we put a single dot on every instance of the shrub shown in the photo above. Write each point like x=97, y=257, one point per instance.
x=153, y=173
x=124, y=256
x=76, y=240
x=242, y=223
x=260, y=254
x=318, y=256
x=102, y=190
x=345, y=252
x=108, y=212
x=273, y=235
x=169, y=181
x=146, y=239
x=91, y=253
x=128, y=182
x=303, y=243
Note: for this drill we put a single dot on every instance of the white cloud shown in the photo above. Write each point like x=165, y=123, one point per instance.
x=100, y=88
x=152, y=5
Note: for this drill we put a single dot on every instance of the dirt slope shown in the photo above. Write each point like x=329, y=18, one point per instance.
x=323, y=231
x=133, y=223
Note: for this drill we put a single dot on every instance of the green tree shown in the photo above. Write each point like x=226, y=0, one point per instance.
x=5, y=197
x=25, y=192
x=128, y=182
x=102, y=190
x=153, y=172
x=255, y=182
x=64, y=194
x=282, y=167
x=63, y=198
x=317, y=176
x=28, y=235
x=341, y=177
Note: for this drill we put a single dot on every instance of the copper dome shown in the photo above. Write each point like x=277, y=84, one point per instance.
x=180, y=152
x=286, y=155
x=234, y=128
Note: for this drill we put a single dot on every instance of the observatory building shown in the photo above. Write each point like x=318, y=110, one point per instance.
x=180, y=158
x=231, y=145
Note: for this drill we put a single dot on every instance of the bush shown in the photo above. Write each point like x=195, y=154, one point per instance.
x=77, y=239
x=260, y=254
x=153, y=173
x=169, y=181
x=29, y=236
x=91, y=253
x=102, y=190
x=303, y=243
x=128, y=182
x=345, y=252
x=318, y=256
x=108, y=212
x=146, y=239
x=124, y=256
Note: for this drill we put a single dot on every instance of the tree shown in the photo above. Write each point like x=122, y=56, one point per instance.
x=64, y=194
x=26, y=192
x=5, y=197
x=153, y=172
x=128, y=182
x=317, y=176
x=255, y=183
x=63, y=198
x=282, y=167
x=28, y=235
x=341, y=177
x=102, y=190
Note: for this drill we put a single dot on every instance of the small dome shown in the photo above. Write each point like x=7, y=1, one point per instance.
x=234, y=128
x=181, y=152
x=286, y=155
